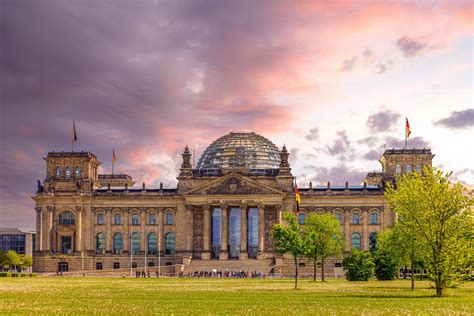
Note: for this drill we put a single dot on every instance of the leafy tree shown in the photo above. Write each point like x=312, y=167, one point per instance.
x=25, y=262
x=289, y=238
x=9, y=259
x=358, y=265
x=387, y=256
x=440, y=215
x=323, y=239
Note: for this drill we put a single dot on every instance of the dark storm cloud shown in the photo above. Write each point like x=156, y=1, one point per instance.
x=457, y=119
x=382, y=121
x=411, y=47
x=313, y=134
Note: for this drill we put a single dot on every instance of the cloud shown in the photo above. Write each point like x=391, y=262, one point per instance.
x=457, y=119
x=340, y=145
x=313, y=134
x=415, y=142
x=373, y=155
x=338, y=175
x=349, y=64
x=411, y=47
x=383, y=121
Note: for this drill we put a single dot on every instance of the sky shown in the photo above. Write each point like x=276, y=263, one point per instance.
x=333, y=81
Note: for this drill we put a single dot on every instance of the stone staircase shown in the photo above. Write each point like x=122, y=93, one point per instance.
x=249, y=265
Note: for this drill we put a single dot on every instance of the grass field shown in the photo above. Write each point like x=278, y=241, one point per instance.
x=227, y=296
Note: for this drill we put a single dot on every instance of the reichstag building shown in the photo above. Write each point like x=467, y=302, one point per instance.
x=219, y=216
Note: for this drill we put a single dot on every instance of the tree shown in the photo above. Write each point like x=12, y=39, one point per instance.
x=289, y=239
x=9, y=259
x=25, y=261
x=323, y=239
x=439, y=214
x=387, y=256
x=358, y=265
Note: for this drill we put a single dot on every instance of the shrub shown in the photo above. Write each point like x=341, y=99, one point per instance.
x=358, y=265
x=3, y=274
x=386, y=265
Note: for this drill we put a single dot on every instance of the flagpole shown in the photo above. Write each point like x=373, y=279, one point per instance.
x=131, y=257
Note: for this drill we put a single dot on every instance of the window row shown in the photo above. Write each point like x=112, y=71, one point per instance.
x=408, y=168
x=151, y=243
x=135, y=219
x=374, y=218
x=356, y=241
x=58, y=172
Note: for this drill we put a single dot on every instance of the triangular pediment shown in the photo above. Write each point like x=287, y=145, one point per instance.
x=233, y=184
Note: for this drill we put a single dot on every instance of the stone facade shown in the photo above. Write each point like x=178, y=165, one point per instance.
x=86, y=221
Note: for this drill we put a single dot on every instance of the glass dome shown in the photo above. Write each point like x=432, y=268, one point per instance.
x=240, y=149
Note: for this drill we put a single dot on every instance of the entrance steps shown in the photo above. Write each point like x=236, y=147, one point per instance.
x=249, y=265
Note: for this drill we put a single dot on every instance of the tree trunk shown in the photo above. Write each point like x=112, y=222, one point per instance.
x=314, y=270
x=296, y=273
x=439, y=290
x=412, y=273
x=322, y=270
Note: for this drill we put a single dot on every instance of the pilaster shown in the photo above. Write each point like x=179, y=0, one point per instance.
x=206, y=233
x=243, y=232
x=224, y=255
x=261, y=232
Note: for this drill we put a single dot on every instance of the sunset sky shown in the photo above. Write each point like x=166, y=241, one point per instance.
x=333, y=81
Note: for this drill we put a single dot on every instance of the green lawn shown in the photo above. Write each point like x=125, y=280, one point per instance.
x=226, y=296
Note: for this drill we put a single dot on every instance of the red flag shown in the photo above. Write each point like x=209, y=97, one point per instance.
x=298, y=199
x=407, y=128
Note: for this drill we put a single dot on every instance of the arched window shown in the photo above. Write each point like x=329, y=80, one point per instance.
x=398, y=169
x=152, y=244
x=118, y=243
x=100, y=243
x=66, y=218
x=58, y=172
x=170, y=244
x=355, y=241
x=409, y=168
x=374, y=218
x=418, y=168
x=135, y=243
x=77, y=172
x=68, y=172
x=372, y=242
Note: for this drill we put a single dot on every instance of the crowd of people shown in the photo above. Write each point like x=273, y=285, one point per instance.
x=222, y=274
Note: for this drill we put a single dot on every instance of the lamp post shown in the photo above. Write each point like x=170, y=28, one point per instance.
x=131, y=259
x=146, y=242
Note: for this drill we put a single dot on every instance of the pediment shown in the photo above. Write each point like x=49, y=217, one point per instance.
x=233, y=184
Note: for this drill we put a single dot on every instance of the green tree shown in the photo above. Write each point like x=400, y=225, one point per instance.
x=358, y=265
x=440, y=215
x=25, y=261
x=289, y=238
x=9, y=259
x=387, y=256
x=323, y=239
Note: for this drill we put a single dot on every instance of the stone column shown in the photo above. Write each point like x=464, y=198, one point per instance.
x=206, y=239
x=44, y=229
x=38, y=229
x=161, y=233
x=365, y=233
x=261, y=232
x=224, y=255
x=189, y=229
x=347, y=237
x=127, y=235
x=279, y=209
x=108, y=228
x=78, y=245
x=143, y=236
x=49, y=230
x=243, y=232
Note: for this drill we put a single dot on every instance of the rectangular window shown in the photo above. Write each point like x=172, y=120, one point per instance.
x=169, y=219
x=116, y=265
x=356, y=218
x=134, y=219
x=100, y=219
x=339, y=217
x=152, y=219
x=374, y=218
x=118, y=219
x=98, y=265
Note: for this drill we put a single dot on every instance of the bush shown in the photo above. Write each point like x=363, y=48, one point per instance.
x=3, y=274
x=358, y=265
x=386, y=265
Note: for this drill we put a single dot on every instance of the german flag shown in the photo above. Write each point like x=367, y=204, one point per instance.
x=407, y=128
x=298, y=198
